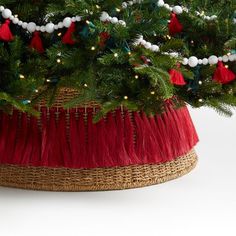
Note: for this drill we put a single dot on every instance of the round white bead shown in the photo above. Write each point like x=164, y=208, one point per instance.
x=49, y=28
x=213, y=17
x=124, y=5
x=15, y=21
x=178, y=10
x=114, y=20
x=213, y=60
x=6, y=13
x=31, y=27
x=78, y=18
x=231, y=57
x=38, y=28
x=161, y=3
x=193, y=61
x=104, y=16
x=174, y=54
x=225, y=58
x=167, y=6
x=67, y=22
x=60, y=25
x=185, y=61
x=200, y=61
x=220, y=58
x=20, y=23
x=24, y=25
x=205, y=61
x=42, y=29
x=147, y=45
x=155, y=48
x=123, y=23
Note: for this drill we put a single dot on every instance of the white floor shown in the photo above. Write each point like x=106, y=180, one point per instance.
x=202, y=203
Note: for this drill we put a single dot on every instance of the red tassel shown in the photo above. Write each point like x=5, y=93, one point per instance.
x=103, y=156
x=123, y=157
x=176, y=77
x=5, y=32
x=63, y=141
x=129, y=138
x=151, y=147
x=140, y=139
x=10, y=137
x=111, y=132
x=35, y=142
x=68, y=37
x=175, y=26
x=104, y=36
x=92, y=141
x=36, y=43
x=223, y=75
x=55, y=157
x=21, y=140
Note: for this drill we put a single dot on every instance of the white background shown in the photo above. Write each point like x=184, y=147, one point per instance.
x=201, y=203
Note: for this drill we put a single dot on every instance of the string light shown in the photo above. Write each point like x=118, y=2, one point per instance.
x=126, y=97
x=115, y=54
x=22, y=77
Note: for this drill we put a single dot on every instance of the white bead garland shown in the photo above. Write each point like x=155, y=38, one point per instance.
x=114, y=20
x=32, y=27
x=193, y=61
x=147, y=45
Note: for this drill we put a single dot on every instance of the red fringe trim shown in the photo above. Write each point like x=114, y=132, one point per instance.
x=70, y=138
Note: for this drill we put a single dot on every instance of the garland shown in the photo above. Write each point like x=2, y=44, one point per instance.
x=192, y=61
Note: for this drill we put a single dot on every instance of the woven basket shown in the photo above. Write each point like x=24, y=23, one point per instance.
x=64, y=150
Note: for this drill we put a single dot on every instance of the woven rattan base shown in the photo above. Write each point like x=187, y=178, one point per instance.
x=61, y=179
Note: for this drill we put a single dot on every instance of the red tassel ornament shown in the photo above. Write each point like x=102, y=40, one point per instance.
x=223, y=75
x=68, y=37
x=5, y=32
x=175, y=26
x=104, y=36
x=36, y=43
x=176, y=77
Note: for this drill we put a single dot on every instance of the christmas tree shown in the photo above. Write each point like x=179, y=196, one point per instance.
x=136, y=54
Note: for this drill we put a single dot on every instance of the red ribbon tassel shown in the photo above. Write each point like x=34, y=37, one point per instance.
x=175, y=26
x=223, y=75
x=36, y=43
x=68, y=37
x=5, y=32
x=176, y=77
x=104, y=36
